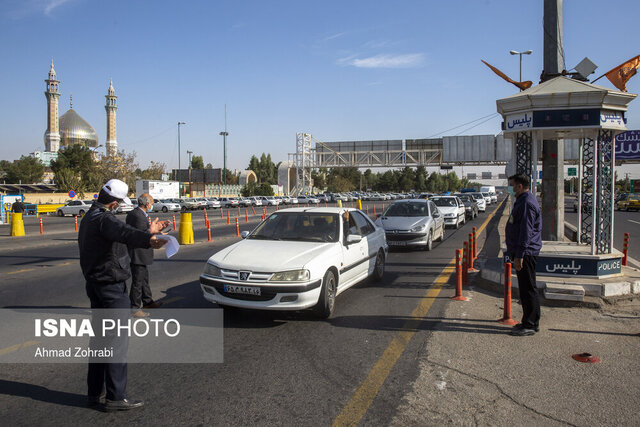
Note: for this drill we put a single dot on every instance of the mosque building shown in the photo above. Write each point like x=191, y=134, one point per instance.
x=70, y=128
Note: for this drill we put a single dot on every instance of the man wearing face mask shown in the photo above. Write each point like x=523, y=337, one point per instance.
x=523, y=235
x=104, y=259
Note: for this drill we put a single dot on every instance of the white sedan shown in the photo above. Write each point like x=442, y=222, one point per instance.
x=75, y=207
x=452, y=208
x=296, y=259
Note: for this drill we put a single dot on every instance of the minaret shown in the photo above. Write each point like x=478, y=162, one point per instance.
x=112, y=143
x=52, y=135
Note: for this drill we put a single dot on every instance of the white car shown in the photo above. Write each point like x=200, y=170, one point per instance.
x=124, y=207
x=479, y=198
x=314, y=255
x=75, y=207
x=452, y=208
x=269, y=201
x=229, y=202
x=212, y=202
x=308, y=199
x=165, y=205
x=487, y=198
x=256, y=201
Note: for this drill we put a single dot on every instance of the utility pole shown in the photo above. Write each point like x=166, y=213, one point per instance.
x=552, y=150
x=224, y=149
x=179, y=165
x=189, y=153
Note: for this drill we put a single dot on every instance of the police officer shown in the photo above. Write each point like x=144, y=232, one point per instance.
x=17, y=207
x=104, y=260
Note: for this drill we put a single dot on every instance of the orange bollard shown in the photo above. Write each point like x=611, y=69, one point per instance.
x=374, y=210
x=506, y=317
x=228, y=218
x=367, y=208
x=41, y=228
x=465, y=264
x=383, y=207
x=459, y=296
x=174, y=221
x=253, y=210
x=246, y=215
x=625, y=249
x=238, y=211
x=208, y=232
x=75, y=218
x=471, y=259
x=474, y=252
x=237, y=228
x=221, y=213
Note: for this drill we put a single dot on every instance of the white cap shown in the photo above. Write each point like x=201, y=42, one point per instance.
x=117, y=189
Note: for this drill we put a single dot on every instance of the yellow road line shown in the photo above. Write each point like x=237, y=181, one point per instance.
x=20, y=271
x=359, y=403
x=170, y=300
x=13, y=348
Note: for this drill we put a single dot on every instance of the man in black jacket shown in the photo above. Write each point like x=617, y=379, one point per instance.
x=140, y=293
x=104, y=260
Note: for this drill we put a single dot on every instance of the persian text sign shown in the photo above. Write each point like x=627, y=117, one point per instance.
x=628, y=145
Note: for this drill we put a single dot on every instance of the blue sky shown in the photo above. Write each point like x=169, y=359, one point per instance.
x=340, y=70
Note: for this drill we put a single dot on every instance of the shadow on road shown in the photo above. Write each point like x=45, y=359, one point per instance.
x=43, y=394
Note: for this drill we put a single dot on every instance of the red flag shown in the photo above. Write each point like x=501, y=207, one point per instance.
x=620, y=75
x=521, y=85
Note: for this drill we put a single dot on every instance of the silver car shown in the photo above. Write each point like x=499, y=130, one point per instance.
x=412, y=223
x=165, y=205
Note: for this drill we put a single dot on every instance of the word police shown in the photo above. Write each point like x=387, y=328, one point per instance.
x=83, y=327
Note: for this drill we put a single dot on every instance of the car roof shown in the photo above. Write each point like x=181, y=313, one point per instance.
x=331, y=210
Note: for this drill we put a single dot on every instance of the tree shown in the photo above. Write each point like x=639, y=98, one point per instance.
x=122, y=166
x=253, y=189
x=209, y=166
x=153, y=172
x=421, y=179
x=197, y=162
x=319, y=178
x=26, y=170
x=231, y=178
x=67, y=179
x=75, y=157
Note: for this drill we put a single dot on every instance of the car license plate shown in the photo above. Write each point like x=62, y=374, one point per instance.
x=395, y=243
x=235, y=289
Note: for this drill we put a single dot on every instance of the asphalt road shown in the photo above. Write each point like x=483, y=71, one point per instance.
x=279, y=368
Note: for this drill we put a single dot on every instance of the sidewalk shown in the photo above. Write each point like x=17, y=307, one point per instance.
x=473, y=372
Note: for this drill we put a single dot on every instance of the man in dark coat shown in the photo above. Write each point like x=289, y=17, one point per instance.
x=523, y=235
x=104, y=259
x=140, y=293
x=17, y=207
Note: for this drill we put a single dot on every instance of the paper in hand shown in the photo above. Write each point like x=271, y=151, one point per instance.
x=172, y=246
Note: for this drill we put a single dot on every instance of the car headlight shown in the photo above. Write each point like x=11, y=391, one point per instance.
x=467, y=208
x=450, y=215
x=418, y=228
x=291, y=276
x=212, y=270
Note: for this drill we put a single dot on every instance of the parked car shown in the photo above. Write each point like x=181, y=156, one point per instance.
x=412, y=223
x=229, y=202
x=256, y=201
x=212, y=202
x=308, y=199
x=452, y=208
x=124, y=207
x=314, y=255
x=165, y=205
x=187, y=204
x=482, y=202
x=269, y=201
x=244, y=201
x=202, y=203
x=470, y=206
x=75, y=207
x=629, y=202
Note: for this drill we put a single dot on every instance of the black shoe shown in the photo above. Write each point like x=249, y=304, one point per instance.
x=522, y=332
x=122, y=405
x=519, y=326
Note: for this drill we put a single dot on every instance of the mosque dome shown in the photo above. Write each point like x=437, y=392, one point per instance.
x=76, y=130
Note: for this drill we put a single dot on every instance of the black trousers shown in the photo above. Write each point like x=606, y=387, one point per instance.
x=529, y=292
x=114, y=375
x=140, y=293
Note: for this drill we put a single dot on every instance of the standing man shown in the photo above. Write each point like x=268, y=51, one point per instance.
x=104, y=260
x=17, y=206
x=523, y=235
x=140, y=294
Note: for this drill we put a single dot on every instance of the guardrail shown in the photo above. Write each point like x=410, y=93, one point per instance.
x=43, y=209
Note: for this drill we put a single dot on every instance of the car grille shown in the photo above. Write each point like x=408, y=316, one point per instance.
x=403, y=237
x=253, y=278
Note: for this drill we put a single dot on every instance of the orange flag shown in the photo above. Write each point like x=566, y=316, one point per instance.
x=522, y=85
x=620, y=75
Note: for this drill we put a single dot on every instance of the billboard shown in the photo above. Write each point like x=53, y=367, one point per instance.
x=628, y=145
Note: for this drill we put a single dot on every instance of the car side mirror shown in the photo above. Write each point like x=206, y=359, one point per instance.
x=353, y=238
x=244, y=234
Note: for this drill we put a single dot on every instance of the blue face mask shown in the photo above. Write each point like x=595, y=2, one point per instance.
x=511, y=191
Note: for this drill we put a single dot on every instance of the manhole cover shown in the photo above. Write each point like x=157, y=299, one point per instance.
x=586, y=358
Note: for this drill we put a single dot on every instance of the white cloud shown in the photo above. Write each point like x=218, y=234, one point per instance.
x=18, y=9
x=385, y=61
x=52, y=4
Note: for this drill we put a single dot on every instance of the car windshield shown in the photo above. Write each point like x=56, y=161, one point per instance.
x=486, y=194
x=466, y=198
x=299, y=226
x=445, y=201
x=477, y=196
x=407, y=209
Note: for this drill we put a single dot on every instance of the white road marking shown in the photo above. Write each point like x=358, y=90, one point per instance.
x=630, y=220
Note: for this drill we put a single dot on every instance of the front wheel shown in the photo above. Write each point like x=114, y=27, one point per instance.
x=60, y=213
x=165, y=209
x=429, y=245
x=378, y=269
x=327, y=301
x=81, y=213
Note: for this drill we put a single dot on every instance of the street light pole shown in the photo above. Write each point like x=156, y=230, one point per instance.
x=189, y=153
x=224, y=156
x=515, y=52
x=179, y=165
